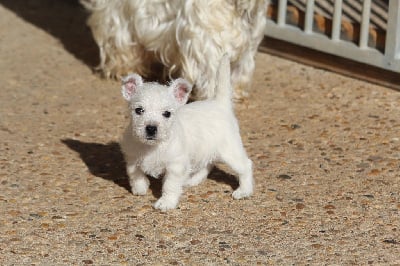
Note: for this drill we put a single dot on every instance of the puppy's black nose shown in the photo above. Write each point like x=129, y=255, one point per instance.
x=151, y=131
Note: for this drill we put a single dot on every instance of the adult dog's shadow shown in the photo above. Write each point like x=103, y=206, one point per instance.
x=106, y=161
x=64, y=19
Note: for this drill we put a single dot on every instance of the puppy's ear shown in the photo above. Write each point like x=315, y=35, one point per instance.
x=130, y=85
x=181, y=89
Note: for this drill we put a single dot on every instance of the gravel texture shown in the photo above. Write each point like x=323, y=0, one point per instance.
x=326, y=153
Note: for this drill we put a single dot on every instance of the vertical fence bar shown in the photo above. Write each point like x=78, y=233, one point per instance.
x=365, y=19
x=392, y=45
x=309, y=20
x=282, y=12
x=337, y=20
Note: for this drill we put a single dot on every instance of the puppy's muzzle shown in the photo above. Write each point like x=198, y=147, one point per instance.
x=151, y=131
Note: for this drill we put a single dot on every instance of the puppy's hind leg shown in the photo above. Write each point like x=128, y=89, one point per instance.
x=238, y=161
x=246, y=181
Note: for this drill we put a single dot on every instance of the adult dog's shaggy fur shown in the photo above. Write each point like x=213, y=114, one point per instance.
x=187, y=37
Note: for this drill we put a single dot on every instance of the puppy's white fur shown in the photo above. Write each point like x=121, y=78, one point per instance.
x=188, y=37
x=187, y=142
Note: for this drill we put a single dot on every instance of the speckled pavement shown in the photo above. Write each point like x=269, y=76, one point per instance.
x=326, y=153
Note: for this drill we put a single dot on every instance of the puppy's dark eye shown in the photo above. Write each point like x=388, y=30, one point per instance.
x=166, y=114
x=139, y=110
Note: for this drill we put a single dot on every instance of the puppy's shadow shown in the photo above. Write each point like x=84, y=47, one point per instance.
x=102, y=160
x=64, y=19
x=220, y=176
x=107, y=161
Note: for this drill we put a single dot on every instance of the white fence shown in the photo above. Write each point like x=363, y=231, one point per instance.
x=373, y=27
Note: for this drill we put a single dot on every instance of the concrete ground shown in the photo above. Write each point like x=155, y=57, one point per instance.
x=326, y=153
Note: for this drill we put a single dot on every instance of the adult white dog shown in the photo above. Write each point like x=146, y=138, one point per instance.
x=188, y=37
x=181, y=141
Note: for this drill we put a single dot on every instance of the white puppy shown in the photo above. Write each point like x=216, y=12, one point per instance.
x=187, y=37
x=182, y=141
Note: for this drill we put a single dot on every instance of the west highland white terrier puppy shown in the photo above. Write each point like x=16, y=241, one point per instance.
x=187, y=37
x=181, y=141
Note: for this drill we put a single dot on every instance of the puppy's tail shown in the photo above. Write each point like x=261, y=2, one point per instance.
x=223, y=88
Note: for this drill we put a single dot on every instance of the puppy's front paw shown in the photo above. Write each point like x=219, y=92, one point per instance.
x=165, y=204
x=241, y=193
x=140, y=186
